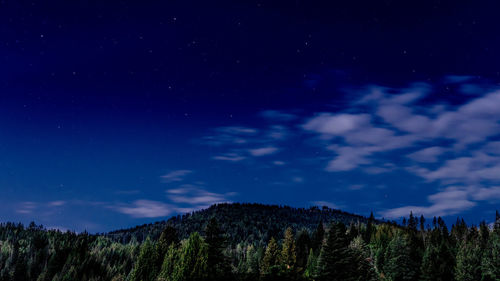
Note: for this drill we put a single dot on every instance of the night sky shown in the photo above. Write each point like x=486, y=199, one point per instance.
x=118, y=113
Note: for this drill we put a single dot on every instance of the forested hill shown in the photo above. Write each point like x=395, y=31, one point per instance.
x=242, y=222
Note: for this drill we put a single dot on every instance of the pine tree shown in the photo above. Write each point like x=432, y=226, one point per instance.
x=318, y=237
x=288, y=252
x=169, y=263
x=192, y=264
x=218, y=265
x=399, y=265
x=490, y=263
x=270, y=263
x=362, y=261
x=369, y=229
x=335, y=257
x=438, y=263
x=468, y=267
x=167, y=238
x=145, y=268
x=303, y=246
x=311, y=267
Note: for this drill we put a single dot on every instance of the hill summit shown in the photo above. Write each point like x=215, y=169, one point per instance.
x=242, y=222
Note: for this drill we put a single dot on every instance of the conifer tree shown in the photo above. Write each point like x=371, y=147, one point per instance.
x=288, y=252
x=318, y=237
x=363, y=269
x=192, y=264
x=335, y=257
x=167, y=238
x=490, y=263
x=271, y=258
x=303, y=246
x=169, y=263
x=369, y=229
x=218, y=265
x=468, y=267
x=399, y=265
x=312, y=265
x=145, y=268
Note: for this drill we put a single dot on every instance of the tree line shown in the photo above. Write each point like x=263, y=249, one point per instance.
x=415, y=250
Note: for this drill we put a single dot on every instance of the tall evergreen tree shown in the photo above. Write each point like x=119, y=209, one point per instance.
x=369, y=229
x=218, y=265
x=145, y=268
x=270, y=262
x=169, y=263
x=303, y=246
x=490, y=263
x=193, y=261
x=399, y=265
x=288, y=251
x=363, y=269
x=468, y=267
x=312, y=265
x=318, y=237
x=335, y=257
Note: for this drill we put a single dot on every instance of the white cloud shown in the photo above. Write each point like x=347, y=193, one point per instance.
x=262, y=151
x=145, y=209
x=56, y=203
x=427, y=155
x=195, y=195
x=448, y=202
x=176, y=176
x=338, y=124
x=231, y=157
x=26, y=207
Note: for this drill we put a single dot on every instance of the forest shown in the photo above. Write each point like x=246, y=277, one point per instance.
x=257, y=242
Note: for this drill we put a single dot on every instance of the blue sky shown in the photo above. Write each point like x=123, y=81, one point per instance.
x=116, y=114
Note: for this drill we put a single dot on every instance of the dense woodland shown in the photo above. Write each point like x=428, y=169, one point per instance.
x=264, y=243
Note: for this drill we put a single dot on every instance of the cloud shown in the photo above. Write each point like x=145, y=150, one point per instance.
x=231, y=157
x=448, y=202
x=262, y=151
x=427, y=155
x=26, y=207
x=195, y=195
x=145, y=209
x=56, y=203
x=279, y=163
x=336, y=124
x=176, y=176
x=237, y=130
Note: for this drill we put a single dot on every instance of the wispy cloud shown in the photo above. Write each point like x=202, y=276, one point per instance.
x=176, y=176
x=451, y=201
x=231, y=157
x=262, y=151
x=26, y=207
x=145, y=209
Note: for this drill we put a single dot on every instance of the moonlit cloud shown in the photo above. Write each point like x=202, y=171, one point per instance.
x=427, y=155
x=145, y=209
x=262, y=151
x=231, y=157
x=176, y=176
x=190, y=197
x=451, y=201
